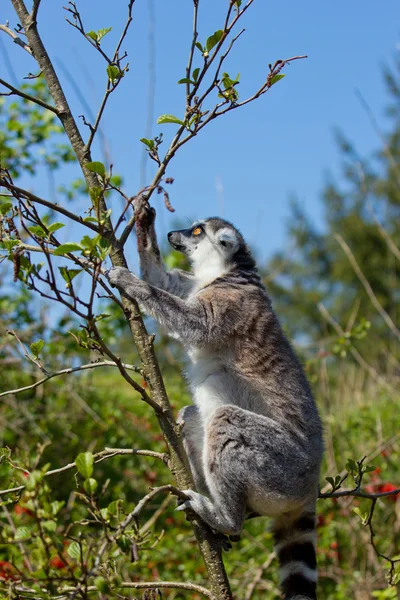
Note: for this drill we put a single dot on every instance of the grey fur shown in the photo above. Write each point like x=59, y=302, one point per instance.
x=253, y=436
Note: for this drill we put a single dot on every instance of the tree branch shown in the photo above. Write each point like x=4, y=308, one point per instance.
x=94, y=365
x=20, y=192
x=361, y=361
x=98, y=457
x=16, y=39
x=367, y=286
x=15, y=91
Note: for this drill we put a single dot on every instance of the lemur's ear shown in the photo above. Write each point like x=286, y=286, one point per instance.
x=227, y=239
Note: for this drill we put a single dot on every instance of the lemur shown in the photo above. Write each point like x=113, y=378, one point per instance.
x=253, y=434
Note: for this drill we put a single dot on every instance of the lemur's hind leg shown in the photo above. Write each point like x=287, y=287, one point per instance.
x=249, y=463
x=225, y=507
x=193, y=441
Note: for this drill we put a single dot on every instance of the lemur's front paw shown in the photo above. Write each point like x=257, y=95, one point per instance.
x=120, y=277
x=145, y=214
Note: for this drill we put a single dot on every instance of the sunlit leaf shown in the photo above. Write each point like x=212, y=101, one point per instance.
x=276, y=78
x=36, y=348
x=113, y=73
x=214, y=39
x=102, y=32
x=92, y=35
x=55, y=226
x=96, y=167
x=169, y=119
x=68, y=247
x=84, y=464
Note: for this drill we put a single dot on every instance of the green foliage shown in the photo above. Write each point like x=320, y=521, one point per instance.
x=169, y=119
x=276, y=78
x=317, y=269
x=97, y=36
x=96, y=167
x=26, y=128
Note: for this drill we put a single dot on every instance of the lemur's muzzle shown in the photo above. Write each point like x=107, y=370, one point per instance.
x=175, y=240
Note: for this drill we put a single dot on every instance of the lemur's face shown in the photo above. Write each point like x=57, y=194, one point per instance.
x=209, y=241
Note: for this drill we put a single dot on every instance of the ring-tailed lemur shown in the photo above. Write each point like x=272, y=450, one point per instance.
x=253, y=435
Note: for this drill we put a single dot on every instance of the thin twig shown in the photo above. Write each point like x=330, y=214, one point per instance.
x=357, y=356
x=98, y=457
x=20, y=192
x=15, y=91
x=16, y=39
x=391, y=245
x=94, y=365
x=367, y=286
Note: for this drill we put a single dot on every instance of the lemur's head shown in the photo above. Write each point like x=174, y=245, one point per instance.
x=213, y=245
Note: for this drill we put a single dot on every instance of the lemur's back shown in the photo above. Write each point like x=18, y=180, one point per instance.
x=256, y=364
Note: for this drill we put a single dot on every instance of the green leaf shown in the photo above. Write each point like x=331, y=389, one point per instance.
x=56, y=506
x=90, y=486
x=214, y=39
x=148, y=143
x=95, y=194
x=69, y=274
x=330, y=480
x=114, y=507
x=169, y=119
x=36, y=348
x=186, y=80
x=351, y=466
x=22, y=533
x=276, y=78
x=84, y=464
x=5, y=207
x=113, y=73
x=37, y=230
x=49, y=526
x=363, y=515
x=199, y=46
x=5, y=453
x=92, y=35
x=195, y=74
x=74, y=550
x=96, y=167
x=10, y=244
x=68, y=247
x=101, y=584
x=102, y=32
x=55, y=226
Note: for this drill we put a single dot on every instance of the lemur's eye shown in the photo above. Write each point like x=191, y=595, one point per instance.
x=197, y=231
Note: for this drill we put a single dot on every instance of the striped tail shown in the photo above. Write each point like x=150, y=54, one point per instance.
x=295, y=548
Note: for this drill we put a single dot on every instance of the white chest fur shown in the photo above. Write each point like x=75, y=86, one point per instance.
x=207, y=377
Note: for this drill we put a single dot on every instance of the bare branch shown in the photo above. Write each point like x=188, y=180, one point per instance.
x=391, y=245
x=133, y=516
x=361, y=361
x=193, y=46
x=17, y=40
x=98, y=457
x=20, y=192
x=94, y=365
x=367, y=286
x=378, y=131
x=35, y=8
x=16, y=92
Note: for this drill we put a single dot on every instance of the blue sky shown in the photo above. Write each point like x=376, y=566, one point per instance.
x=245, y=165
